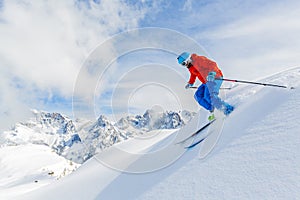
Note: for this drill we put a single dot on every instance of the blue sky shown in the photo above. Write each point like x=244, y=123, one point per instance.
x=44, y=45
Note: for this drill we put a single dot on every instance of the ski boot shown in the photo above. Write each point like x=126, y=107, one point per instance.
x=211, y=116
x=227, y=109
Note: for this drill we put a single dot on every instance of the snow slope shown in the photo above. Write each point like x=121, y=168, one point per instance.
x=27, y=167
x=256, y=156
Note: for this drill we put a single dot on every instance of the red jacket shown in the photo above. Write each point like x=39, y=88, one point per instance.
x=200, y=67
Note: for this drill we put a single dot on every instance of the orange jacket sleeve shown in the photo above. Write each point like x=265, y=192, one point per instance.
x=192, y=79
x=195, y=74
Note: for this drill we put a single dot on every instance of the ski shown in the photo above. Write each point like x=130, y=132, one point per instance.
x=197, y=132
x=194, y=144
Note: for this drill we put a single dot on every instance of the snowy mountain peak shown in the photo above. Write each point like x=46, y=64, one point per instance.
x=153, y=119
x=80, y=139
x=51, y=122
x=102, y=121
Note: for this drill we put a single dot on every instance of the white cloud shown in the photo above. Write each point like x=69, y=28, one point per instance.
x=44, y=43
x=188, y=5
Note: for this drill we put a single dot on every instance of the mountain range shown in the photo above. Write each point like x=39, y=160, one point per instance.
x=78, y=140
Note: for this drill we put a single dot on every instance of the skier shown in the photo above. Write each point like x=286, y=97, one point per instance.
x=210, y=75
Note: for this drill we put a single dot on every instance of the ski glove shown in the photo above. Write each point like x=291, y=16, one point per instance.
x=188, y=86
x=211, y=76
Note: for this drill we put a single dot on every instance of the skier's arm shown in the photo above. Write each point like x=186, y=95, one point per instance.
x=192, y=79
x=201, y=79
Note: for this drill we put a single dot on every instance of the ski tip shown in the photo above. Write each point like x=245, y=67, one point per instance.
x=292, y=88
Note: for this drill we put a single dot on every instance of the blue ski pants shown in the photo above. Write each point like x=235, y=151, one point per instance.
x=207, y=95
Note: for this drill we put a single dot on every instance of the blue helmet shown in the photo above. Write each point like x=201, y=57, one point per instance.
x=183, y=57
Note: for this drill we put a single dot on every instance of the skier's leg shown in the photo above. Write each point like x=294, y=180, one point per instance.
x=201, y=97
x=217, y=86
x=216, y=100
x=207, y=98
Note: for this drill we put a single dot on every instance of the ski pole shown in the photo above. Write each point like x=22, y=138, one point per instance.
x=257, y=83
x=227, y=88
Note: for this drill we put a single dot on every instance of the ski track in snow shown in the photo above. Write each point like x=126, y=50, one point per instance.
x=256, y=157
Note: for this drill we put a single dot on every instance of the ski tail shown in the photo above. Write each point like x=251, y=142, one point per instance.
x=194, y=144
x=197, y=132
